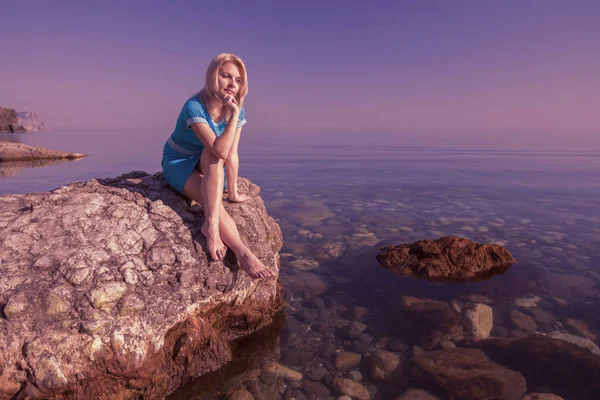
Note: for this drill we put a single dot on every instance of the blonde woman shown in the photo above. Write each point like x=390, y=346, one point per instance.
x=204, y=143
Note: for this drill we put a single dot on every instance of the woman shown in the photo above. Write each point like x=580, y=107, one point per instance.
x=204, y=143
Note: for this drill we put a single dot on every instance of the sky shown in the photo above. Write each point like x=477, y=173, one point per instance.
x=328, y=65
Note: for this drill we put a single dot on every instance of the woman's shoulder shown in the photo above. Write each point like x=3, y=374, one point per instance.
x=194, y=105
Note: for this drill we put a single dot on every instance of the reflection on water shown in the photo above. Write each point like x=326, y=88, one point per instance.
x=248, y=353
x=337, y=200
x=13, y=168
x=11, y=137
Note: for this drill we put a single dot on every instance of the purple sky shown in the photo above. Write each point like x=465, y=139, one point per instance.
x=324, y=65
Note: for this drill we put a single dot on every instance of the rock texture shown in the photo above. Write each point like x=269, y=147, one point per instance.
x=30, y=121
x=469, y=374
x=107, y=291
x=10, y=151
x=9, y=121
x=446, y=258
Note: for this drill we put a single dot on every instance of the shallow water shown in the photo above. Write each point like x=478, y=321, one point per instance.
x=338, y=197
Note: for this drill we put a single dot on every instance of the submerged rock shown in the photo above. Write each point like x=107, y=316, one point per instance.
x=386, y=366
x=479, y=320
x=542, y=396
x=446, y=258
x=577, y=341
x=417, y=394
x=429, y=321
x=562, y=368
x=350, y=388
x=10, y=151
x=469, y=374
x=107, y=291
x=522, y=321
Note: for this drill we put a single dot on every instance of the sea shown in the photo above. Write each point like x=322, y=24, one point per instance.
x=338, y=197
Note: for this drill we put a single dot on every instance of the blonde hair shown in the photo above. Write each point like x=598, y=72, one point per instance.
x=211, y=83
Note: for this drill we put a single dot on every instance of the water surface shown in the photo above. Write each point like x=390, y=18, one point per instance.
x=337, y=197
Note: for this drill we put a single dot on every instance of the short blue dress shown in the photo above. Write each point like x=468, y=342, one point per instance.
x=182, y=150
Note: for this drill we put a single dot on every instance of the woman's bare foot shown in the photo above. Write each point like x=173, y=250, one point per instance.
x=238, y=198
x=252, y=265
x=215, y=246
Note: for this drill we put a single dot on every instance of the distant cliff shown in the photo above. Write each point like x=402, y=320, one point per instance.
x=9, y=121
x=31, y=121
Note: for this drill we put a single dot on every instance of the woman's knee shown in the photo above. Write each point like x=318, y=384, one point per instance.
x=209, y=160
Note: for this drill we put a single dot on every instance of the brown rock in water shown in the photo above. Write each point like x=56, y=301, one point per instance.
x=430, y=321
x=563, y=368
x=10, y=151
x=522, y=321
x=107, y=291
x=350, y=388
x=385, y=366
x=469, y=374
x=479, y=320
x=417, y=394
x=542, y=396
x=347, y=360
x=446, y=258
x=580, y=328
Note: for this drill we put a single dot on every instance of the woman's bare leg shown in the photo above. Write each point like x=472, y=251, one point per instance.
x=227, y=230
x=208, y=191
x=248, y=261
x=232, y=166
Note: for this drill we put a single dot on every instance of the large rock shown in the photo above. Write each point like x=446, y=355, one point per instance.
x=30, y=121
x=107, y=290
x=562, y=368
x=429, y=321
x=21, y=152
x=469, y=374
x=9, y=121
x=446, y=258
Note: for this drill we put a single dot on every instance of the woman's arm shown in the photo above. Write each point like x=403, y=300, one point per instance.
x=219, y=146
x=232, y=166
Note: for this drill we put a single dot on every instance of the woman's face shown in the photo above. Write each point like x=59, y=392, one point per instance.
x=229, y=80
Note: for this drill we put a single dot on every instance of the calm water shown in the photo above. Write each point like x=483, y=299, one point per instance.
x=337, y=197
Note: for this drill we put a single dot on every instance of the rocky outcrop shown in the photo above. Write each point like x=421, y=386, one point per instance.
x=31, y=121
x=446, y=258
x=9, y=121
x=107, y=291
x=10, y=151
x=469, y=374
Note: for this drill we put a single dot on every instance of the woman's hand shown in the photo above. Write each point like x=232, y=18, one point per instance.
x=231, y=104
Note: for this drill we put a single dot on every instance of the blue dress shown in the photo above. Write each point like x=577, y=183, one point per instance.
x=182, y=151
